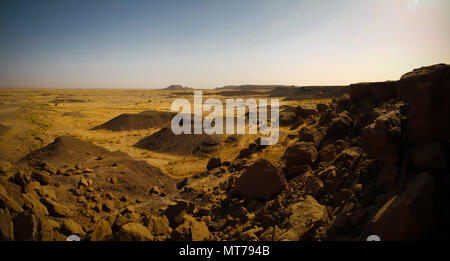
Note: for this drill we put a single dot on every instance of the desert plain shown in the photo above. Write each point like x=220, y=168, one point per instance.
x=350, y=161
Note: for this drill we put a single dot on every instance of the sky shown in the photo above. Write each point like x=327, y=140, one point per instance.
x=210, y=43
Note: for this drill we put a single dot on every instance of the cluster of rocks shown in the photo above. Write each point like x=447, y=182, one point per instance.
x=374, y=161
x=34, y=205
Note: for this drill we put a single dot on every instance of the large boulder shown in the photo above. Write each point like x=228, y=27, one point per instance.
x=427, y=91
x=341, y=125
x=408, y=216
x=158, y=225
x=327, y=153
x=261, y=180
x=101, y=231
x=300, y=153
x=307, y=216
x=314, y=186
x=176, y=212
x=134, y=232
x=213, y=163
x=382, y=138
x=191, y=230
x=70, y=227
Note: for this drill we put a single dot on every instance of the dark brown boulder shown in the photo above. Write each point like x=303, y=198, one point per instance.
x=300, y=153
x=321, y=107
x=213, y=163
x=341, y=126
x=261, y=180
x=327, y=153
x=427, y=91
x=176, y=212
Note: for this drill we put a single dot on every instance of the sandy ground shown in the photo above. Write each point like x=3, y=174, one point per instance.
x=35, y=117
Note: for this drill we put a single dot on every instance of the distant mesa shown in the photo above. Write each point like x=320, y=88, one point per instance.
x=252, y=87
x=67, y=100
x=176, y=87
x=137, y=121
x=239, y=93
x=73, y=114
x=165, y=141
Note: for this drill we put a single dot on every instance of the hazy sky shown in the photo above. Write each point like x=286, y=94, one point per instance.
x=206, y=44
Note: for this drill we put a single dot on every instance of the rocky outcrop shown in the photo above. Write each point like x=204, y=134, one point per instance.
x=261, y=180
x=427, y=91
x=376, y=91
x=408, y=216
